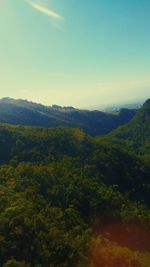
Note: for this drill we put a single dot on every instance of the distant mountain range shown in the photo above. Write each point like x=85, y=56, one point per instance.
x=23, y=112
x=117, y=107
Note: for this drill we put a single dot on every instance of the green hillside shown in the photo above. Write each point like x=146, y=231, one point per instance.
x=135, y=136
x=62, y=195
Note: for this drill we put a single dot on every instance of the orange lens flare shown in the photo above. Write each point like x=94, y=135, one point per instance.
x=121, y=245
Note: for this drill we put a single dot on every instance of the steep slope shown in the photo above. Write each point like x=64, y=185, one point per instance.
x=22, y=112
x=136, y=134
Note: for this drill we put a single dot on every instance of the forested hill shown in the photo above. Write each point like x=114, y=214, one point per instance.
x=22, y=112
x=69, y=200
x=136, y=134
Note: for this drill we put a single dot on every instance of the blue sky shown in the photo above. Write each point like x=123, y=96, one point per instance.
x=75, y=52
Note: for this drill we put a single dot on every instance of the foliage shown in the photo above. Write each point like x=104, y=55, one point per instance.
x=65, y=195
x=107, y=253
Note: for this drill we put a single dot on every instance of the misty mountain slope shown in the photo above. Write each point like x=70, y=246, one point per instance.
x=22, y=112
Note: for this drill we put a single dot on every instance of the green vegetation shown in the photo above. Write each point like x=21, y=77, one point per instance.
x=135, y=136
x=27, y=113
x=71, y=200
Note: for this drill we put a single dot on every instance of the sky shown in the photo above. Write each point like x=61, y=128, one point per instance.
x=75, y=52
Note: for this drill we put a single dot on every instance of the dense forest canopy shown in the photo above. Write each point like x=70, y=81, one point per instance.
x=68, y=199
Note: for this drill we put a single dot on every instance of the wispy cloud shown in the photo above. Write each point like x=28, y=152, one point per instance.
x=48, y=12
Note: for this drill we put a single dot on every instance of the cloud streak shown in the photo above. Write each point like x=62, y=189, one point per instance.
x=45, y=11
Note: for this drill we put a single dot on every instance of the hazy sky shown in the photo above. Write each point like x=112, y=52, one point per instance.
x=75, y=52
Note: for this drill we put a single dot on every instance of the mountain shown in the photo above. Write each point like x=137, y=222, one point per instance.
x=136, y=134
x=117, y=107
x=23, y=112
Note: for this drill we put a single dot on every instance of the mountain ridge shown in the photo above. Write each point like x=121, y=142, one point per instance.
x=23, y=112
